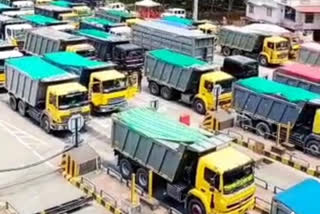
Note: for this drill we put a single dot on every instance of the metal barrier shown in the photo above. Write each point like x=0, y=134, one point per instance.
x=8, y=207
x=263, y=205
x=265, y=184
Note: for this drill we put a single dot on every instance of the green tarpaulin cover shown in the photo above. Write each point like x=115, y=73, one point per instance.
x=95, y=33
x=176, y=19
x=155, y=125
x=3, y=6
x=175, y=58
x=36, y=68
x=100, y=21
x=61, y=3
x=293, y=94
x=119, y=13
x=73, y=59
x=40, y=20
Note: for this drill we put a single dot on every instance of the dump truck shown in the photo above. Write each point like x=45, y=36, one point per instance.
x=13, y=29
x=155, y=35
x=98, y=24
x=46, y=40
x=190, y=166
x=80, y=8
x=176, y=76
x=108, y=88
x=262, y=105
x=115, y=48
x=299, y=198
x=299, y=75
x=37, y=20
x=5, y=8
x=309, y=54
x=267, y=49
x=275, y=30
x=47, y=94
x=59, y=13
x=116, y=16
x=20, y=4
x=4, y=55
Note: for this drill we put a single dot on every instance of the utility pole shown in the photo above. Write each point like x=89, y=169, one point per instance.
x=195, y=10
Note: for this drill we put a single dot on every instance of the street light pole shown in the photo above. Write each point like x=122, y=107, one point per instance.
x=195, y=10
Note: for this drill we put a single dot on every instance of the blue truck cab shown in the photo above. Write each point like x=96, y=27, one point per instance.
x=302, y=198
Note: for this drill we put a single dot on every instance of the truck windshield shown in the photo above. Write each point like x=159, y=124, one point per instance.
x=73, y=100
x=114, y=85
x=19, y=34
x=226, y=85
x=135, y=54
x=281, y=46
x=87, y=53
x=251, y=68
x=237, y=179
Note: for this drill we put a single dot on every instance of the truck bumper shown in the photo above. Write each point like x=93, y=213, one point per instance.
x=64, y=126
x=110, y=108
x=242, y=209
x=1, y=84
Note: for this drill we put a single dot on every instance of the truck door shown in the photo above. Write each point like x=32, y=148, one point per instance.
x=95, y=91
x=269, y=49
x=52, y=107
x=210, y=187
x=134, y=84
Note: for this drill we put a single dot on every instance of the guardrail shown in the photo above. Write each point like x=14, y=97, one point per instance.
x=8, y=207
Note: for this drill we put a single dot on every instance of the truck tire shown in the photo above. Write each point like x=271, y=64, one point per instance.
x=226, y=51
x=166, y=93
x=45, y=124
x=263, y=61
x=195, y=206
x=22, y=108
x=313, y=147
x=199, y=106
x=143, y=178
x=13, y=103
x=245, y=124
x=125, y=168
x=236, y=52
x=154, y=88
x=263, y=129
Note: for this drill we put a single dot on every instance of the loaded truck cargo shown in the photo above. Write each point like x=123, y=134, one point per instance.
x=5, y=55
x=267, y=49
x=108, y=88
x=299, y=75
x=59, y=13
x=80, y=8
x=263, y=104
x=299, y=199
x=116, y=16
x=309, y=54
x=152, y=35
x=176, y=76
x=46, y=93
x=46, y=40
x=191, y=166
x=115, y=48
x=98, y=24
x=37, y=20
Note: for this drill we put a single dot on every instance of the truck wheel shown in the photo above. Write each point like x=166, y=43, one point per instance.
x=154, y=88
x=22, y=108
x=45, y=124
x=166, y=93
x=199, y=106
x=236, y=52
x=13, y=103
x=245, y=124
x=143, y=178
x=263, y=61
x=263, y=129
x=226, y=51
x=313, y=147
x=125, y=168
x=195, y=206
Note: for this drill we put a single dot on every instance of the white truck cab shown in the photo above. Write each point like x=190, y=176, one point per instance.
x=23, y=5
x=123, y=31
x=16, y=31
x=115, y=6
x=179, y=12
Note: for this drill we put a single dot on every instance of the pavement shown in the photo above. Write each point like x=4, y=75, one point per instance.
x=41, y=187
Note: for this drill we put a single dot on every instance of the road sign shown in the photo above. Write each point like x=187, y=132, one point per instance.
x=76, y=123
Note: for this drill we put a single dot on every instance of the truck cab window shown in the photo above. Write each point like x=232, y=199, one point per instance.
x=208, y=85
x=270, y=45
x=96, y=88
x=52, y=99
x=212, y=178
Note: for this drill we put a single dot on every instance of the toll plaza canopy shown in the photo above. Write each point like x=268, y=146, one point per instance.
x=302, y=198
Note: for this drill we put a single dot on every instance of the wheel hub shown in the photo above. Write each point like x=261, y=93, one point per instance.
x=196, y=209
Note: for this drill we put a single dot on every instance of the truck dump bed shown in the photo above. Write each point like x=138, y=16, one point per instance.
x=160, y=143
x=175, y=70
x=155, y=35
x=47, y=40
x=273, y=101
x=236, y=37
x=28, y=78
x=114, y=15
x=77, y=64
x=309, y=53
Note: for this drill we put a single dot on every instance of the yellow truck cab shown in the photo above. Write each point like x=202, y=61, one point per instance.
x=109, y=90
x=208, y=28
x=46, y=93
x=72, y=18
x=275, y=51
x=196, y=168
x=86, y=49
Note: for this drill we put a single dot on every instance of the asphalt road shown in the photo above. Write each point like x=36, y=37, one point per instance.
x=41, y=187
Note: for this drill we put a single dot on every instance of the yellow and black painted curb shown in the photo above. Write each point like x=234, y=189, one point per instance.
x=283, y=160
x=91, y=191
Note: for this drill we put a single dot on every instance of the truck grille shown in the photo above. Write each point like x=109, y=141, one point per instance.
x=116, y=100
x=236, y=205
x=282, y=55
